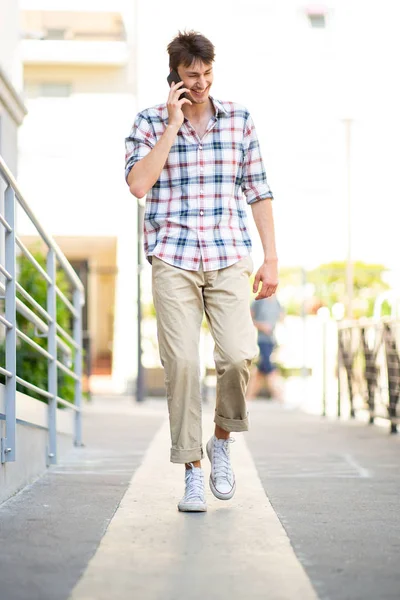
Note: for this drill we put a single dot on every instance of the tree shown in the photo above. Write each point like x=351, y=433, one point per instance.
x=330, y=285
x=326, y=286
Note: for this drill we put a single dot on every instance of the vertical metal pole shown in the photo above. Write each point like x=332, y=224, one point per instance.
x=349, y=261
x=140, y=373
x=304, y=320
x=8, y=443
x=52, y=365
x=304, y=340
x=339, y=367
x=77, y=334
x=324, y=339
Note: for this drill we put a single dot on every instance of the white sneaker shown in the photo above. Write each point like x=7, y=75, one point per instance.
x=194, y=499
x=222, y=479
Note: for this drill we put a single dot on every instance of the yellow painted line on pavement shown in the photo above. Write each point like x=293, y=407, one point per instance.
x=238, y=550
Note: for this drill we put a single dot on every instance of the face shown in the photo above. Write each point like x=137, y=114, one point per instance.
x=198, y=79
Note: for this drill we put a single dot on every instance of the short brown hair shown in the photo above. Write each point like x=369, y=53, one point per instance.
x=189, y=46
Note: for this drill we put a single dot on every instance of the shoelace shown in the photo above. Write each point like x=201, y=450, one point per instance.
x=221, y=460
x=194, y=479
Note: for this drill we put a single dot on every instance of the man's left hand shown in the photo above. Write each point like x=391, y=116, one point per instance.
x=267, y=275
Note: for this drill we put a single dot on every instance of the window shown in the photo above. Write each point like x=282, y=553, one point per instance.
x=55, y=34
x=55, y=90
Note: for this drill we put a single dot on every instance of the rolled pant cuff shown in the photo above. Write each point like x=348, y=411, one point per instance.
x=182, y=456
x=232, y=424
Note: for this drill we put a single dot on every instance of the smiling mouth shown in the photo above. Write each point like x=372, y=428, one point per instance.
x=199, y=93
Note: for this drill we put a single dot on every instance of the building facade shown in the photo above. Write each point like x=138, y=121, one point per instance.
x=77, y=63
x=12, y=108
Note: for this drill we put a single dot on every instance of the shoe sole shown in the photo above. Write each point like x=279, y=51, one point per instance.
x=216, y=493
x=192, y=508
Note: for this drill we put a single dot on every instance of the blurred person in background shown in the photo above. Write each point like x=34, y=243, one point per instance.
x=266, y=314
x=198, y=160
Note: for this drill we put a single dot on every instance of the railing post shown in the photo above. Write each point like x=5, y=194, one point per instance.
x=324, y=342
x=339, y=368
x=52, y=364
x=324, y=314
x=140, y=392
x=77, y=334
x=393, y=368
x=8, y=443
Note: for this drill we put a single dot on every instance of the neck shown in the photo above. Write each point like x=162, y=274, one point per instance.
x=195, y=112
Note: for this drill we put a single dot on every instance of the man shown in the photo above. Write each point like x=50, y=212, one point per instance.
x=266, y=313
x=194, y=157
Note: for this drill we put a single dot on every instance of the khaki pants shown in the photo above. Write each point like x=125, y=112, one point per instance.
x=181, y=298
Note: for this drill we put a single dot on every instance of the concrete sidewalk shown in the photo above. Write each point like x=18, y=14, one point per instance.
x=335, y=486
x=151, y=551
x=315, y=515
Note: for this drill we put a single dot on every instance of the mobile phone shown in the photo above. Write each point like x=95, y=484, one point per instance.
x=173, y=77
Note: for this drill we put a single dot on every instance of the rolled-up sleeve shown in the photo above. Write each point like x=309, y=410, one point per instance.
x=254, y=179
x=139, y=143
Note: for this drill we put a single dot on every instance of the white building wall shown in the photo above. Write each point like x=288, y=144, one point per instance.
x=9, y=41
x=10, y=65
x=11, y=107
x=72, y=163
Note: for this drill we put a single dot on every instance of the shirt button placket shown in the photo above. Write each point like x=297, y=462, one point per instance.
x=201, y=180
x=201, y=197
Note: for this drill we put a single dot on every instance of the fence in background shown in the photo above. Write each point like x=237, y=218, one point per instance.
x=369, y=368
x=64, y=351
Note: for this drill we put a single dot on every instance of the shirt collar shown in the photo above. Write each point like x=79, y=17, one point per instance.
x=220, y=110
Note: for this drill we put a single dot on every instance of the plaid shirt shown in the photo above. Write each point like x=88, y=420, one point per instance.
x=196, y=213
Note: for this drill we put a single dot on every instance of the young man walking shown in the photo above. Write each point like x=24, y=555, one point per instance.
x=197, y=159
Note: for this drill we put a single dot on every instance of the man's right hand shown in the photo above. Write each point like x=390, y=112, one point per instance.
x=146, y=171
x=175, y=103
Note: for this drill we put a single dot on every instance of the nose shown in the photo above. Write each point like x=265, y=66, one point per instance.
x=202, y=82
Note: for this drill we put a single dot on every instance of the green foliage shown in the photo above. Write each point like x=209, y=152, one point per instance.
x=290, y=276
x=31, y=365
x=365, y=276
x=328, y=287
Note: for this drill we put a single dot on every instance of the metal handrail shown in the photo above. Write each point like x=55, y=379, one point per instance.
x=67, y=303
x=33, y=344
x=66, y=336
x=67, y=404
x=6, y=274
x=67, y=371
x=39, y=324
x=34, y=388
x=5, y=372
x=10, y=180
x=33, y=302
x=51, y=330
x=369, y=368
x=32, y=259
x=5, y=224
x=4, y=321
